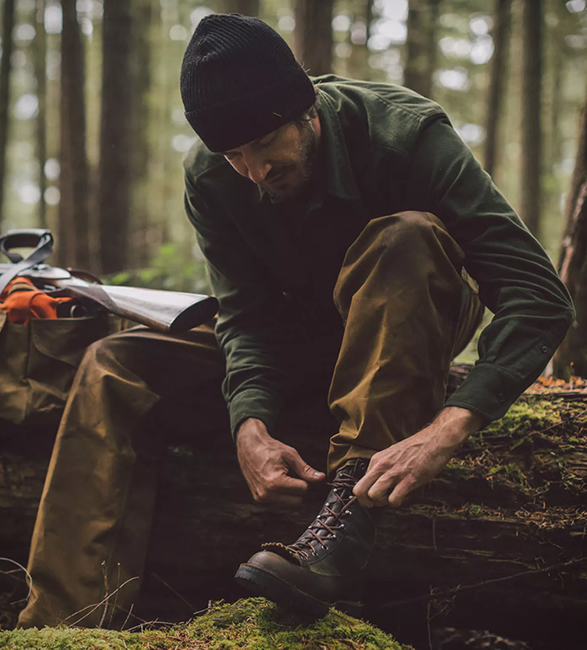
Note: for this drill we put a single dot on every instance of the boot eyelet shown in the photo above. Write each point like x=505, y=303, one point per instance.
x=347, y=512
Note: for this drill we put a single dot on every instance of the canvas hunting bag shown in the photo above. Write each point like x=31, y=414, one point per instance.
x=38, y=360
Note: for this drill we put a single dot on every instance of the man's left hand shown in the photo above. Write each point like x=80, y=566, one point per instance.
x=398, y=470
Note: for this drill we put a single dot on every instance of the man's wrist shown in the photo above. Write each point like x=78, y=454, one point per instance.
x=252, y=427
x=457, y=424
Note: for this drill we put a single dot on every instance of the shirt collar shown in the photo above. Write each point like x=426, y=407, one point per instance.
x=340, y=180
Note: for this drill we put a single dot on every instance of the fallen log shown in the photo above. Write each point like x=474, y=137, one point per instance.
x=497, y=541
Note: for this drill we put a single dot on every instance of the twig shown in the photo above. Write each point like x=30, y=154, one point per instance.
x=127, y=616
x=174, y=592
x=95, y=607
x=29, y=578
x=456, y=590
x=105, y=574
x=116, y=599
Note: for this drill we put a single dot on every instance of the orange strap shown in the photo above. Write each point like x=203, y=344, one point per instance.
x=23, y=301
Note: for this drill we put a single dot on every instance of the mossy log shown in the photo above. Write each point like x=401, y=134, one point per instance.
x=249, y=624
x=497, y=541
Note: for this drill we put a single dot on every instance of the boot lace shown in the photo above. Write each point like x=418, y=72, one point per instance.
x=319, y=531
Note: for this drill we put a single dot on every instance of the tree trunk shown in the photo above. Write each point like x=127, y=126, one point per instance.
x=501, y=36
x=511, y=502
x=421, y=45
x=313, y=35
x=73, y=239
x=531, y=115
x=572, y=353
x=244, y=7
x=115, y=139
x=41, y=78
x=5, y=69
x=140, y=254
x=357, y=63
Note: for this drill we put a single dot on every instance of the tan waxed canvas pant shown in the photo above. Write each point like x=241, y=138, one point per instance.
x=407, y=313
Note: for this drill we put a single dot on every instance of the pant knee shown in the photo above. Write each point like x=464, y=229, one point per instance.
x=408, y=248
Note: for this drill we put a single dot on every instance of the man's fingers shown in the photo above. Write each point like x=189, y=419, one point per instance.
x=364, y=485
x=290, y=485
x=302, y=469
x=400, y=492
x=379, y=491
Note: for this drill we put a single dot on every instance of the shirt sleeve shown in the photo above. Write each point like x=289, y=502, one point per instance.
x=517, y=282
x=248, y=324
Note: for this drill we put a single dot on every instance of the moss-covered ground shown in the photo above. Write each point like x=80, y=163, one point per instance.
x=250, y=624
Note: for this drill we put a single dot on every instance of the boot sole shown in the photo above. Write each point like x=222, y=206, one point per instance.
x=271, y=586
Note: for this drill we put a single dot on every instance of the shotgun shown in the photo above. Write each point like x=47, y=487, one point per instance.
x=167, y=311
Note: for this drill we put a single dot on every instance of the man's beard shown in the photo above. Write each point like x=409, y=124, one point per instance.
x=307, y=154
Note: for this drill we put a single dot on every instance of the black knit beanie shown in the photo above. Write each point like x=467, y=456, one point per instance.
x=240, y=81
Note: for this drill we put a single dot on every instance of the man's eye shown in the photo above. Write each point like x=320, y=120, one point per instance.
x=267, y=142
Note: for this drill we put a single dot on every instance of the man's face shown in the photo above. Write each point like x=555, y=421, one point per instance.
x=280, y=162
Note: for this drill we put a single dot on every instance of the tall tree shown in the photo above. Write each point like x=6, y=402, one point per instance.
x=115, y=139
x=245, y=7
x=313, y=35
x=73, y=240
x=573, y=264
x=5, y=68
x=40, y=55
x=530, y=199
x=502, y=18
x=141, y=74
x=358, y=62
x=421, y=45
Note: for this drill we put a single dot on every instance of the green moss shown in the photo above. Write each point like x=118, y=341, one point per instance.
x=524, y=418
x=475, y=510
x=510, y=472
x=457, y=469
x=251, y=624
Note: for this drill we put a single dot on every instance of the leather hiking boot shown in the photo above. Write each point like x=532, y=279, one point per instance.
x=322, y=568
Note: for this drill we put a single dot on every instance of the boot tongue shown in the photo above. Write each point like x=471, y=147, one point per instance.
x=341, y=494
x=355, y=468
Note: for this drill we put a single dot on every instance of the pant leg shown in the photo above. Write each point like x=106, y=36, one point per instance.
x=95, y=513
x=407, y=313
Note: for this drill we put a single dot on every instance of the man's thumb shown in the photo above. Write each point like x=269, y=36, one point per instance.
x=304, y=471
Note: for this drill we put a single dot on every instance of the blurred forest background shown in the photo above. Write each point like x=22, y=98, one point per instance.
x=92, y=130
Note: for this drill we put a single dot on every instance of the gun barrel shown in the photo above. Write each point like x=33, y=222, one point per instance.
x=167, y=311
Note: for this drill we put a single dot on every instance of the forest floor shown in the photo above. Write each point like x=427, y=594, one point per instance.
x=249, y=624
x=496, y=542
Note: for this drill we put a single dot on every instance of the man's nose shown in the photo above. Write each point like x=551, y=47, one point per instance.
x=257, y=168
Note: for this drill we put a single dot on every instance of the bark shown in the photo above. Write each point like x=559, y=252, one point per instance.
x=501, y=36
x=73, y=229
x=511, y=502
x=5, y=74
x=141, y=74
x=421, y=45
x=115, y=141
x=245, y=7
x=313, y=35
x=40, y=55
x=531, y=114
x=572, y=353
x=358, y=63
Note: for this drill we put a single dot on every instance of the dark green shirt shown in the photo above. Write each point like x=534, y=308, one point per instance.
x=384, y=149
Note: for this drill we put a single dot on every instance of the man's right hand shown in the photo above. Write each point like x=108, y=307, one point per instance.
x=267, y=465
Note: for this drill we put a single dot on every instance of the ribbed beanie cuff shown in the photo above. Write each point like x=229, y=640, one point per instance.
x=240, y=81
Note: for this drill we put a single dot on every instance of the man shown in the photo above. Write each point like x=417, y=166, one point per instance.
x=337, y=219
